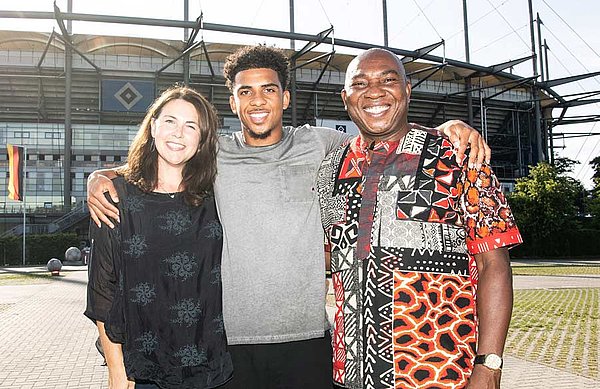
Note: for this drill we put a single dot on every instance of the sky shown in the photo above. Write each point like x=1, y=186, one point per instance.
x=498, y=32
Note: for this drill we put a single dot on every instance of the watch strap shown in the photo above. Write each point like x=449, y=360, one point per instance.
x=480, y=360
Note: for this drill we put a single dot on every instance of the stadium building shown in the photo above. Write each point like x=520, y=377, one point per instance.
x=75, y=101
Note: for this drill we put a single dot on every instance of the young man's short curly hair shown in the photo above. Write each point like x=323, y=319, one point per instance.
x=256, y=57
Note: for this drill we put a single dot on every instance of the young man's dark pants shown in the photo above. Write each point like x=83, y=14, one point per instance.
x=292, y=365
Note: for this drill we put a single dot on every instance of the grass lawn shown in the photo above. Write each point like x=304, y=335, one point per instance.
x=555, y=270
x=25, y=278
x=557, y=327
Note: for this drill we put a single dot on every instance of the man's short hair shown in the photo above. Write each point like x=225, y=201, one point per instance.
x=256, y=57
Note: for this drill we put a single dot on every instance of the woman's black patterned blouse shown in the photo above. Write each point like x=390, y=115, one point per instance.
x=155, y=282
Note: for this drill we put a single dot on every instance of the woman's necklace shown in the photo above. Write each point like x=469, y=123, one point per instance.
x=171, y=194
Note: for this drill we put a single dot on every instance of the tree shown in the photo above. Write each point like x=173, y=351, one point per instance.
x=593, y=204
x=545, y=207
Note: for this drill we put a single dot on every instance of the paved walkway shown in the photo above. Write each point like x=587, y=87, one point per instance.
x=46, y=342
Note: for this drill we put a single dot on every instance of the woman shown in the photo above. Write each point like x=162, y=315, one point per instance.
x=155, y=285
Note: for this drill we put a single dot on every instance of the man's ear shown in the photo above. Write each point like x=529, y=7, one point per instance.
x=232, y=104
x=343, y=94
x=408, y=92
x=286, y=99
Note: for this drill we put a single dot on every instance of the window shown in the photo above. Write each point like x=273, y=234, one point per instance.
x=21, y=134
x=52, y=135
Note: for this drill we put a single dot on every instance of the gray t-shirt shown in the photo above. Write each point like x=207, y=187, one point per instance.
x=273, y=267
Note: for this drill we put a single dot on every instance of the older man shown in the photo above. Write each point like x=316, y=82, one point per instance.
x=413, y=234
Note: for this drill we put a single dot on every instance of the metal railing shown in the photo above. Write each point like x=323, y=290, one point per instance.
x=77, y=214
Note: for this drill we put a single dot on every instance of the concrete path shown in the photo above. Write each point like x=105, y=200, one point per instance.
x=46, y=342
x=555, y=282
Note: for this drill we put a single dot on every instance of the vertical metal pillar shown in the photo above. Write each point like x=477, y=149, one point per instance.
x=293, y=72
x=68, y=127
x=468, y=59
x=518, y=127
x=550, y=128
x=186, y=35
x=24, y=199
x=482, y=112
x=546, y=60
x=548, y=140
x=539, y=32
x=385, y=24
x=534, y=90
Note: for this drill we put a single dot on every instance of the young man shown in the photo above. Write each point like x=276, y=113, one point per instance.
x=273, y=261
x=413, y=233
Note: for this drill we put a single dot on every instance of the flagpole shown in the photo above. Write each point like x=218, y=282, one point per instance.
x=24, y=181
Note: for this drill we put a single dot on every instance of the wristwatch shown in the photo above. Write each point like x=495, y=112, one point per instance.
x=491, y=361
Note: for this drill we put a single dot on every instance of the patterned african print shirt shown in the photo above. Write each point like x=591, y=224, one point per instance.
x=403, y=222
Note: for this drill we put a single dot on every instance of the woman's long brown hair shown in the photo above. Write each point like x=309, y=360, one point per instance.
x=199, y=172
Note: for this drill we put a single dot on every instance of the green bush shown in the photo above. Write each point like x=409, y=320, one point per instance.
x=574, y=243
x=39, y=248
x=546, y=205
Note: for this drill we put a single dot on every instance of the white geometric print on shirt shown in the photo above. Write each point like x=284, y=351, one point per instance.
x=137, y=246
x=190, y=355
x=175, y=222
x=148, y=342
x=187, y=312
x=144, y=293
x=214, y=230
x=181, y=265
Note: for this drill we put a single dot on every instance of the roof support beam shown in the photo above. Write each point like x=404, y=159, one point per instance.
x=576, y=103
x=438, y=108
x=518, y=84
x=75, y=49
x=316, y=41
x=495, y=69
x=316, y=83
x=571, y=135
x=245, y=31
x=422, y=80
x=330, y=54
x=43, y=56
x=566, y=80
x=519, y=81
x=195, y=31
x=421, y=52
x=426, y=69
x=61, y=23
x=576, y=120
x=183, y=53
x=207, y=56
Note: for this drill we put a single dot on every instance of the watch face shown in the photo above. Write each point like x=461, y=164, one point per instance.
x=493, y=361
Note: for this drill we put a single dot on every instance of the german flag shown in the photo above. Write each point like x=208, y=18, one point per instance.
x=15, y=169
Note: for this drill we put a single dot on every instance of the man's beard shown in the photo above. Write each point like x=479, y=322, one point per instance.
x=255, y=135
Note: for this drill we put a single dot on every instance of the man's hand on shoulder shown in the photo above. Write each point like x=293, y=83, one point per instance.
x=462, y=136
x=101, y=210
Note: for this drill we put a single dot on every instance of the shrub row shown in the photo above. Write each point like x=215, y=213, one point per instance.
x=574, y=243
x=39, y=248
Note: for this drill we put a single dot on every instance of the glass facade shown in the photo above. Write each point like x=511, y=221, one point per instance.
x=93, y=147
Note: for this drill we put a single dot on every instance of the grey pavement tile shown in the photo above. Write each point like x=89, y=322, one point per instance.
x=46, y=328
